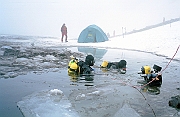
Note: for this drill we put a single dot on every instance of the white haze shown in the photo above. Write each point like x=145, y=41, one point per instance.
x=45, y=17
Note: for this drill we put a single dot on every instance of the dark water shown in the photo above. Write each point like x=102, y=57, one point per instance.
x=13, y=90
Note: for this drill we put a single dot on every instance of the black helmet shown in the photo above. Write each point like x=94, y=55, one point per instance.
x=122, y=64
x=157, y=68
x=89, y=60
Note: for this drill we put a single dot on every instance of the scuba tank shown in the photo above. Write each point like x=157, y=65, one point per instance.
x=146, y=69
x=104, y=64
x=72, y=66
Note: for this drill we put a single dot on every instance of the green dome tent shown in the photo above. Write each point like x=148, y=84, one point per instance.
x=92, y=34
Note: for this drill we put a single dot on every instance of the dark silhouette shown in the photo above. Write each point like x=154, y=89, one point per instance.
x=64, y=32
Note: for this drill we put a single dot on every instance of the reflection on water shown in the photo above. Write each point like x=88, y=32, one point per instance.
x=96, y=52
x=151, y=90
x=87, y=80
x=103, y=70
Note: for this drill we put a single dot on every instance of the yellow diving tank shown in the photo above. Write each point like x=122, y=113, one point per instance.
x=104, y=64
x=72, y=66
x=147, y=69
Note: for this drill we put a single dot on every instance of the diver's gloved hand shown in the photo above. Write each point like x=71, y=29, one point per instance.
x=92, y=70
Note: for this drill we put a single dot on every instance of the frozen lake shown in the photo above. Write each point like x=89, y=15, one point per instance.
x=104, y=93
x=101, y=95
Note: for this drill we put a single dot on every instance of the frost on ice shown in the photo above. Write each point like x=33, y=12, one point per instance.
x=49, y=103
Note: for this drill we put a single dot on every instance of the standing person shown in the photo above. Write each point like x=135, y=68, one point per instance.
x=64, y=32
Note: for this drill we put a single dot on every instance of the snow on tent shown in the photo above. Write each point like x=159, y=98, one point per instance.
x=92, y=33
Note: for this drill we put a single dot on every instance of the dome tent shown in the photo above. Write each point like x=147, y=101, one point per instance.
x=92, y=33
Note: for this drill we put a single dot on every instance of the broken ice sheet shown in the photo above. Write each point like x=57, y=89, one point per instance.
x=48, y=103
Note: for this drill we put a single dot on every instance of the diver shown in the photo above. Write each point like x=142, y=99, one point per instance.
x=153, y=77
x=81, y=67
x=120, y=66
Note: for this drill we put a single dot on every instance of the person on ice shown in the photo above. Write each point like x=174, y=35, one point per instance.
x=64, y=32
x=81, y=67
x=120, y=66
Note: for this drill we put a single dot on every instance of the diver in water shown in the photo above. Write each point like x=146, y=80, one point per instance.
x=81, y=67
x=152, y=77
x=120, y=66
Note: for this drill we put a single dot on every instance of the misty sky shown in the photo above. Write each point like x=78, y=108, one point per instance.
x=45, y=17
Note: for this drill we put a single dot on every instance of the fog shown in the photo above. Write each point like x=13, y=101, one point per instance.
x=45, y=17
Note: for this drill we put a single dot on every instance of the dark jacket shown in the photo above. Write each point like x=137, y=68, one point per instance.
x=84, y=68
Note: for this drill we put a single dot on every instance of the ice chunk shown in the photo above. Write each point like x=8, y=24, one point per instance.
x=1, y=53
x=94, y=93
x=20, y=60
x=56, y=92
x=6, y=47
x=38, y=58
x=50, y=57
x=80, y=97
x=49, y=103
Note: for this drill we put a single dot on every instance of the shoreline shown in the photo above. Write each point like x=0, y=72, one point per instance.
x=54, y=42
